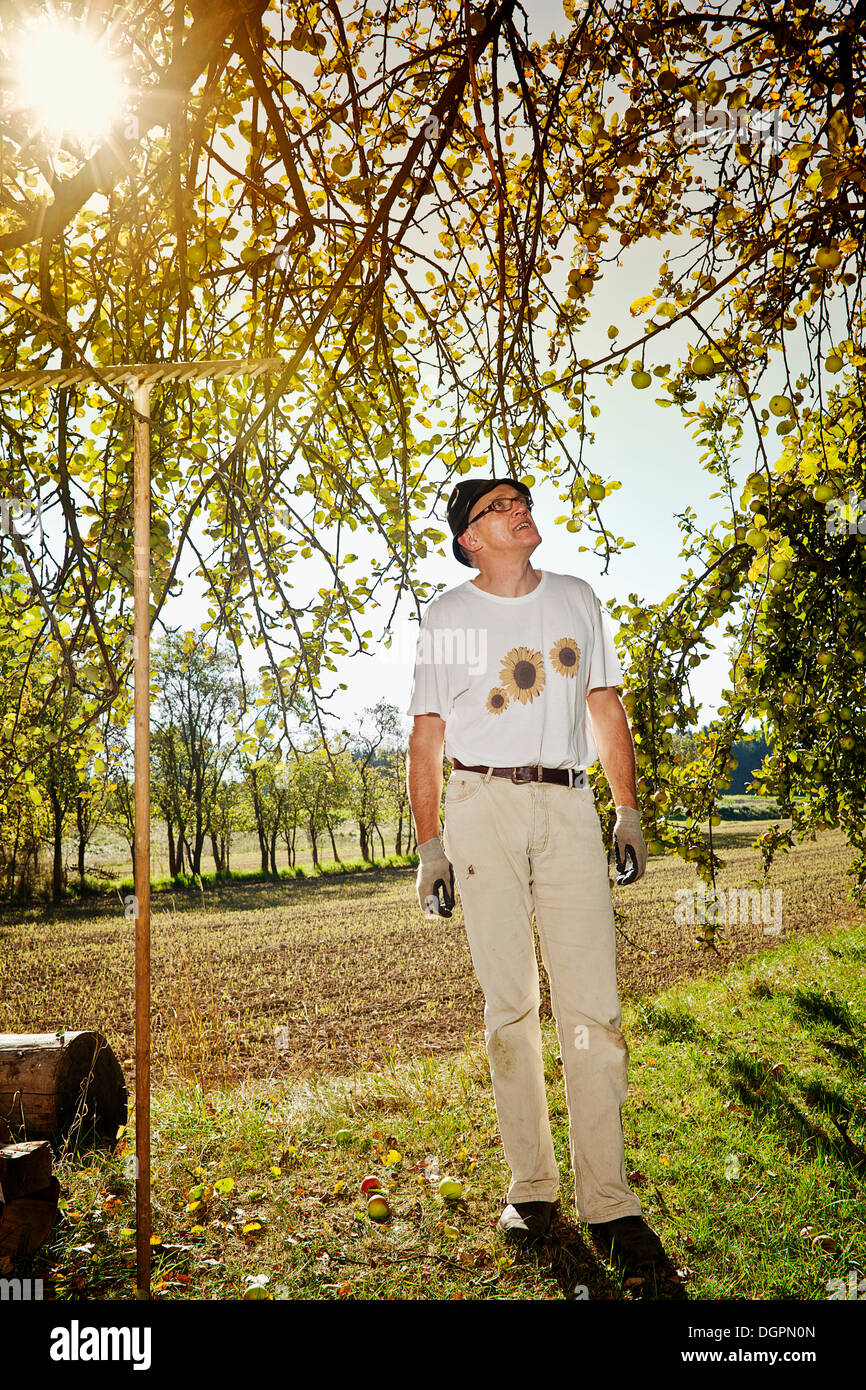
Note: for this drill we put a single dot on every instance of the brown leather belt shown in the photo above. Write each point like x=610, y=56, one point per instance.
x=529, y=773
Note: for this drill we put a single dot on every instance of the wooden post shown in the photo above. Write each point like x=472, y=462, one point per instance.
x=141, y=604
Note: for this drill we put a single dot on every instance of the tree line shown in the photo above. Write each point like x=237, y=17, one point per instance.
x=217, y=771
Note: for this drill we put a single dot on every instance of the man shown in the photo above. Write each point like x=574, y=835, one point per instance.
x=507, y=665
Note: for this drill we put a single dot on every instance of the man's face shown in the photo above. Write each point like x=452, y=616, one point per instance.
x=508, y=534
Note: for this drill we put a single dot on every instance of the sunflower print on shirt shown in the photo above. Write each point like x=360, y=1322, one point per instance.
x=497, y=700
x=565, y=655
x=522, y=674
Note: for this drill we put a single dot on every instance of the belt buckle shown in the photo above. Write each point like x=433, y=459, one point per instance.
x=526, y=770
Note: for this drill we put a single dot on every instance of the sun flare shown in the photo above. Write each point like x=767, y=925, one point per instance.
x=68, y=80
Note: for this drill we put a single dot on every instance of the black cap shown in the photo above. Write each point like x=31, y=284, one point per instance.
x=463, y=498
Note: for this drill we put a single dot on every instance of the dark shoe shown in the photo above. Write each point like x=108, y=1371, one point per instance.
x=629, y=1241
x=525, y=1223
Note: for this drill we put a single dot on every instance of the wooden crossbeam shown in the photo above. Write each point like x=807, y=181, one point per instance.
x=146, y=373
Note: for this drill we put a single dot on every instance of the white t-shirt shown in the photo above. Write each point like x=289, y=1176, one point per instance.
x=510, y=676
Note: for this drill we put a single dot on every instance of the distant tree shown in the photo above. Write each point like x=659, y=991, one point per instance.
x=123, y=794
x=227, y=815
x=371, y=741
x=61, y=785
x=394, y=773
x=19, y=847
x=76, y=773
x=199, y=709
x=268, y=797
x=321, y=793
x=95, y=794
x=266, y=789
x=290, y=814
x=749, y=755
x=685, y=746
x=170, y=788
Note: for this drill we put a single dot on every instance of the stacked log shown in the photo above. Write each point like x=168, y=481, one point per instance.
x=28, y=1200
x=53, y=1086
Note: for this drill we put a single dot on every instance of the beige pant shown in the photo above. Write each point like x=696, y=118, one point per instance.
x=536, y=847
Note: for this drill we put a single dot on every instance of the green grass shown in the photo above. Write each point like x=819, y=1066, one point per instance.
x=109, y=863
x=731, y=1146
x=165, y=884
x=742, y=808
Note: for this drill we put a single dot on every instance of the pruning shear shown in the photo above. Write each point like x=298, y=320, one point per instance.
x=626, y=869
x=440, y=902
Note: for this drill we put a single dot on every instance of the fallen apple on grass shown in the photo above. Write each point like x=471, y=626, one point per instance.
x=450, y=1189
x=378, y=1207
x=371, y=1184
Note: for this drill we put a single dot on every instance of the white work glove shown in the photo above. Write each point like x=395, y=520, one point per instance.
x=627, y=836
x=435, y=882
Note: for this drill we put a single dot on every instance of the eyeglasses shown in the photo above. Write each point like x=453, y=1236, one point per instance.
x=502, y=504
